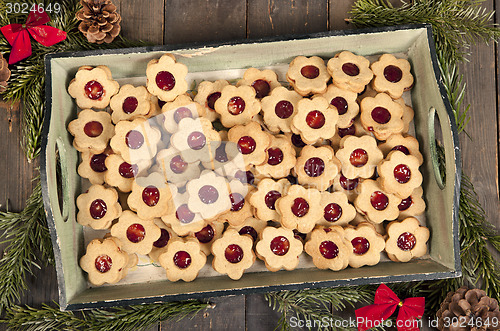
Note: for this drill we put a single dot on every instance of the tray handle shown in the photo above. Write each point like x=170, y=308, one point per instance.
x=433, y=147
x=62, y=173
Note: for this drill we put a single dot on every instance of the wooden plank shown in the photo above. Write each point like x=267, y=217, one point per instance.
x=338, y=12
x=281, y=17
x=259, y=315
x=141, y=21
x=204, y=21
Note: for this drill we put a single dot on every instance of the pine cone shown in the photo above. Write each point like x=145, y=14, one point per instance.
x=4, y=73
x=100, y=21
x=465, y=310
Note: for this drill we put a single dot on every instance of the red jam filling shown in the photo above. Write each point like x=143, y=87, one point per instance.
x=205, y=235
x=379, y=200
x=250, y=231
x=297, y=140
x=332, y=212
x=93, y=129
x=262, y=88
x=130, y=105
x=182, y=112
x=358, y=158
x=136, y=233
x=134, y=139
x=208, y=194
x=165, y=80
x=341, y=105
x=220, y=154
x=94, y=90
x=348, y=184
x=328, y=249
x=360, y=245
x=211, y=100
x=299, y=236
x=405, y=204
x=381, y=115
x=275, y=156
x=270, y=199
x=406, y=241
x=151, y=195
x=183, y=214
x=246, y=145
x=350, y=69
x=182, y=259
x=237, y=201
x=350, y=131
x=315, y=119
x=233, y=253
x=127, y=170
x=283, y=109
x=393, y=74
x=309, y=72
x=300, y=207
x=196, y=140
x=97, y=163
x=236, y=105
x=98, y=209
x=280, y=245
x=246, y=177
x=314, y=167
x=163, y=240
x=402, y=173
x=103, y=263
x=401, y=148
x=178, y=165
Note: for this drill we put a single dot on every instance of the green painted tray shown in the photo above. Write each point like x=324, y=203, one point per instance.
x=428, y=99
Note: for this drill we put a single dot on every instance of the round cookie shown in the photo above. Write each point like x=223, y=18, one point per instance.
x=399, y=174
x=315, y=119
x=251, y=141
x=345, y=103
x=413, y=205
x=93, y=166
x=317, y=167
x=183, y=106
x=280, y=158
x=382, y=116
x=264, y=199
x=336, y=209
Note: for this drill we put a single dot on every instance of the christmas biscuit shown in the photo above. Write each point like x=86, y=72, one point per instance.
x=237, y=105
x=93, y=87
x=308, y=75
x=182, y=220
x=413, y=205
x=399, y=174
x=208, y=235
x=382, y=116
x=166, y=78
x=183, y=106
x=315, y=119
x=208, y=93
x=208, y=195
x=166, y=235
x=336, y=209
x=279, y=108
x=92, y=131
x=359, y=156
x=406, y=144
x=367, y=244
x=406, y=240
x=262, y=81
x=392, y=75
x=251, y=226
x=317, y=167
x=150, y=196
x=280, y=158
x=279, y=248
x=251, y=141
x=349, y=71
x=356, y=129
x=130, y=103
x=375, y=204
x=264, y=199
x=183, y=260
x=328, y=248
x=98, y=207
x=93, y=166
x=174, y=168
x=241, y=208
x=299, y=208
x=121, y=174
x=345, y=103
x=347, y=186
x=233, y=254
x=408, y=115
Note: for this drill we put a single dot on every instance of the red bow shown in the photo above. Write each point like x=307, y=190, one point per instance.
x=18, y=34
x=386, y=302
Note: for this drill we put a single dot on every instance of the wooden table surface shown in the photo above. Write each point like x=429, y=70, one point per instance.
x=181, y=21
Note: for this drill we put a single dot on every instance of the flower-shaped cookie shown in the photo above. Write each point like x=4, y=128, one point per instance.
x=367, y=244
x=208, y=235
x=98, y=207
x=208, y=195
x=166, y=235
x=93, y=166
x=182, y=220
x=408, y=115
x=263, y=81
x=241, y=209
x=308, y=75
x=166, y=78
x=136, y=235
x=328, y=248
x=195, y=139
x=382, y=116
x=345, y=103
x=183, y=260
x=92, y=131
x=104, y=261
x=406, y=144
x=336, y=209
x=406, y=240
x=279, y=248
x=136, y=140
x=251, y=226
x=121, y=174
x=175, y=169
x=315, y=119
x=299, y=208
x=237, y=105
x=264, y=199
x=413, y=205
x=208, y=93
x=347, y=186
x=251, y=141
x=399, y=174
x=150, y=196
x=392, y=75
x=233, y=254
x=317, y=167
x=279, y=108
x=375, y=204
x=359, y=156
x=183, y=106
x=130, y=103
x=280, y=158
x=349, y=71
x=93, y=87
x=356, y=129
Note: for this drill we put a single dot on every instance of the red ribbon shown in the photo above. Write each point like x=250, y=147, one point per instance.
x=18, y=35
x=386, y=302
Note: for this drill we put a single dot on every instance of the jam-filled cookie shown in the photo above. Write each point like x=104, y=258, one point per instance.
x=279, y=108
x=315, y=119
x=233, y=254
x=349, y=71
x=175, y=169
x=280, y=158
x=237, y=105
x=92, y=131
x=367, y=244
x=399, y=174
x=130, y=103
x=136, y=140
x=208, y=93
x=208, y=195
x=345, y=103
x=406, y=240
x=328, y=248
x=299, y=208
x=93, y=87
x=183, y=106
x=136, y=235
x=183, y=260
x=264, y=199
x=98, y=207
x=392, y=75
x=279, y=248
x=382, y=116
x=227, y=159
x=121, y=174
x=317, y=167
x=251, y=226
x=347, y=186
x=150, y=196
x=263, y=81
x=413, y=205
x=93, y=166
x=296, y=141
x=182, y=219
x=166, y=235
x=241, y=208
x=406, y=144
x=336, y=209
x=359, y=156
x=408, y=115
x=251, y=141
x=356, y=129
x=166, y=78
x=308, y=75
x=206, y=236
x=375, y=204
